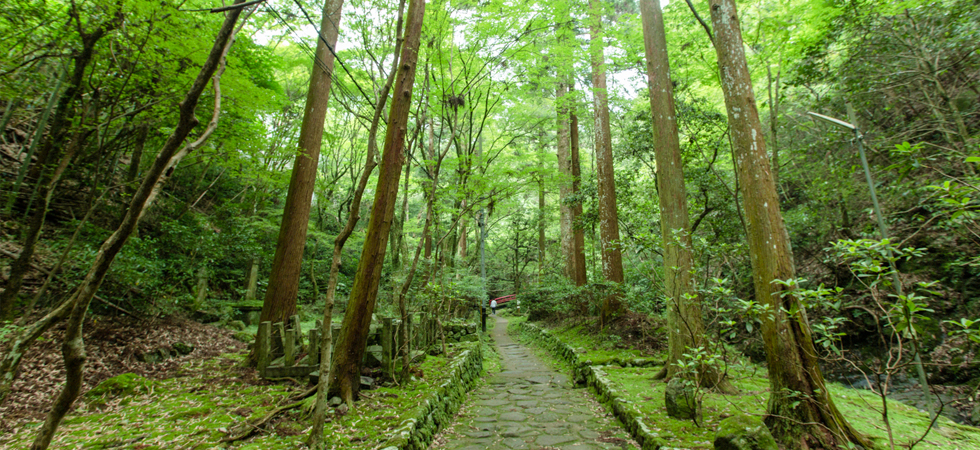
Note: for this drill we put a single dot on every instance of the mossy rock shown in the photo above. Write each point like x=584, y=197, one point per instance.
x=681, y=400
x=124, y=385
x=244, y=336
x=744, y=432
x=183, y=348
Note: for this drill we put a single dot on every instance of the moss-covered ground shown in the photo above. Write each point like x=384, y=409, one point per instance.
x=646, y=395
x=210, y=399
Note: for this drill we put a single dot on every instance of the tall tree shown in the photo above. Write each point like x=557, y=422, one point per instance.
x=801, y=412
x=563, y=149
x=345, y=374
x=280, y=296
x=612, y=257
x=686, y=329
x=578, y=233
x=315, y=439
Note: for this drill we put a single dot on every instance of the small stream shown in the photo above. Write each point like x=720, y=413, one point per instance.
x=903, y=388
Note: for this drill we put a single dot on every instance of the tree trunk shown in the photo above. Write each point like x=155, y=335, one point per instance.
x=612, y=258
x=73, y=347
x=280, y=296
x=463, y=234
x=563, y=149
x=345, y=373
x=142, y=132
x=315, y=440
x=541, y=214
x=801, y=412
x=774, y=121
x=684, y=324
x=580, y=277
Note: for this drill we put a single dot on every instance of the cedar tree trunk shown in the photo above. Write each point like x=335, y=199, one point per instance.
x=280, y=296
x=345, y=374
x=801, y=412
x=612, y=258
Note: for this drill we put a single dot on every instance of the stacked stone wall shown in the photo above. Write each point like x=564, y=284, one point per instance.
x=438, y=410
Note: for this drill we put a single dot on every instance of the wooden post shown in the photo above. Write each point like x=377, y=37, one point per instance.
x=288, y=347
x=313, y=357
x=294, y=320
x=262, y=339
x=279, y=338
x=387, y=342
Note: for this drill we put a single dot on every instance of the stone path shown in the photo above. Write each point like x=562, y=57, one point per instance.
x=529, y=405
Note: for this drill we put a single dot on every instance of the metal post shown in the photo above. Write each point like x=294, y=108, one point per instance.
x=883, y=231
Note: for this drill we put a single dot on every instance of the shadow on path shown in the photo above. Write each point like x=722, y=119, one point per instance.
x=529, y=405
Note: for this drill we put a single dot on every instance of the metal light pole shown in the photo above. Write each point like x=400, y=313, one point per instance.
x=883, y=230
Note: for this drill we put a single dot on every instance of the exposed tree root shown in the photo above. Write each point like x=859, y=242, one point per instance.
x=251, y=428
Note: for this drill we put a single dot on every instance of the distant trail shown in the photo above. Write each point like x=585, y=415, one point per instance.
x=530, y=406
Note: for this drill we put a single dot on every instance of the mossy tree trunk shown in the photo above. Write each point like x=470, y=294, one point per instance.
x=801, y=411
x=612, y=257
x=685, y=327
x=280, y=296
x=345, y=373
x=580, y=276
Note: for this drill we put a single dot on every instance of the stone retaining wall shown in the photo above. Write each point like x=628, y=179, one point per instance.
x=585, y=372
x=438, y=410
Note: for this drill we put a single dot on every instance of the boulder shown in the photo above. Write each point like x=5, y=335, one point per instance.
x=743, y=432
x=236, y=325
x=469, y=338
x=681, y=400
x=120, y=386
x=367, y=383
x=154, y=356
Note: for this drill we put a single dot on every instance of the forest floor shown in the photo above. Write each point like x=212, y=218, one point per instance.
x=861, y=407
x=190, y=401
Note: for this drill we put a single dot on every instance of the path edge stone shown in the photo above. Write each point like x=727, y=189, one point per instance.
x=592, y=375
x=438, y=410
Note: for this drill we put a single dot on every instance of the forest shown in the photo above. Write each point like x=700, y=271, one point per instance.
x=789, y=185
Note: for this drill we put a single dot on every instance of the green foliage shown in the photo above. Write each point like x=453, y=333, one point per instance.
x=561, y=298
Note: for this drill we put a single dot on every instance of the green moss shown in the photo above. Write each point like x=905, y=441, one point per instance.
x=209, y=400
x=644, y=396
x=121, y=385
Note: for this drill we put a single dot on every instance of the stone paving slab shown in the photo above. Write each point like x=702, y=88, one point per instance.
x=529, y=405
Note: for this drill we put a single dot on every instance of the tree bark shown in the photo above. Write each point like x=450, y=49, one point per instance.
x=73, y=347
x=280, y=296
x=541, y=214
x=345, y=373
x=315, y=440
x=612, y=258
x=774, y=120
x=563, y=149
x=801, y=411
x=685, y=327
x=580, y=276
